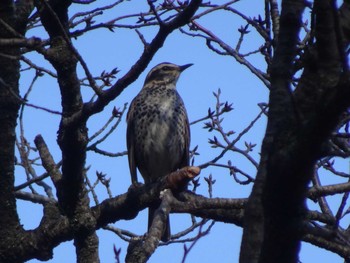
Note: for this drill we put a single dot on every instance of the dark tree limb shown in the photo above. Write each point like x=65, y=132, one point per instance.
x=259, y=236
x=47, y=160
x=56, y=228
x=141, y=250
x=10, y=226
x=72, y=139
x=297, y=127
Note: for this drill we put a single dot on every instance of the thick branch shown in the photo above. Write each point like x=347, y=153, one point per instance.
x=10, y=226
x=47, y=160
x=271, y=232
x=72, y=137
x=140, y=251
x=40, y=242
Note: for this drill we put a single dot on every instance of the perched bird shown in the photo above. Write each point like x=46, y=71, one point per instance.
x=158, y=134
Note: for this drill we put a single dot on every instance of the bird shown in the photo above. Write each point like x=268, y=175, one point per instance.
x=158, y=133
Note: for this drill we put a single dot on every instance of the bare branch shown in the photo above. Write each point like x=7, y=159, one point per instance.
x=47, y=160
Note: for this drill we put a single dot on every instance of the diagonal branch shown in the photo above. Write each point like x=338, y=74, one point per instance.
x=165, y=29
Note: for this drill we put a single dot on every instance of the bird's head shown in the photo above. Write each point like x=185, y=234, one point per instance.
x=165, y=72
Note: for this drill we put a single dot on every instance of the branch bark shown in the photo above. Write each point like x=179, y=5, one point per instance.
x=10, y=226
x=72, y=138
x=299, y=124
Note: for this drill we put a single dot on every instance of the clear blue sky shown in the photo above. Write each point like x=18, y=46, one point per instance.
x=104, y=50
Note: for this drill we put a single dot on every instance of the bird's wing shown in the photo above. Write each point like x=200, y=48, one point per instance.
x=187, y=136
x=130, y=146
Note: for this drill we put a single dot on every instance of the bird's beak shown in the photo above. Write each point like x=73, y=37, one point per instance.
x=182, y=68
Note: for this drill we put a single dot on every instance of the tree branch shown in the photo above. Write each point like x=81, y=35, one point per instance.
x=180, y=20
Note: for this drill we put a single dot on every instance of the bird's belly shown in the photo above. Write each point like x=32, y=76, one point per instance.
x=159, y=139
x=162, y=149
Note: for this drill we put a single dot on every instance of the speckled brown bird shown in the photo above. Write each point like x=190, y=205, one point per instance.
x=158, y=134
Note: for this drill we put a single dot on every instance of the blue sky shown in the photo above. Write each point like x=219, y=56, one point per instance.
x=103, y=50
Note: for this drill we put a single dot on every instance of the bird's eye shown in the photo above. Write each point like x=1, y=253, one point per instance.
x=166, y=68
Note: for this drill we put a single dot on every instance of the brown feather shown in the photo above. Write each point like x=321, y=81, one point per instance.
x=158, y=134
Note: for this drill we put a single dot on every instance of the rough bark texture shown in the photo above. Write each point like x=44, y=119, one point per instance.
x=300, y=122
x=9, y=106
